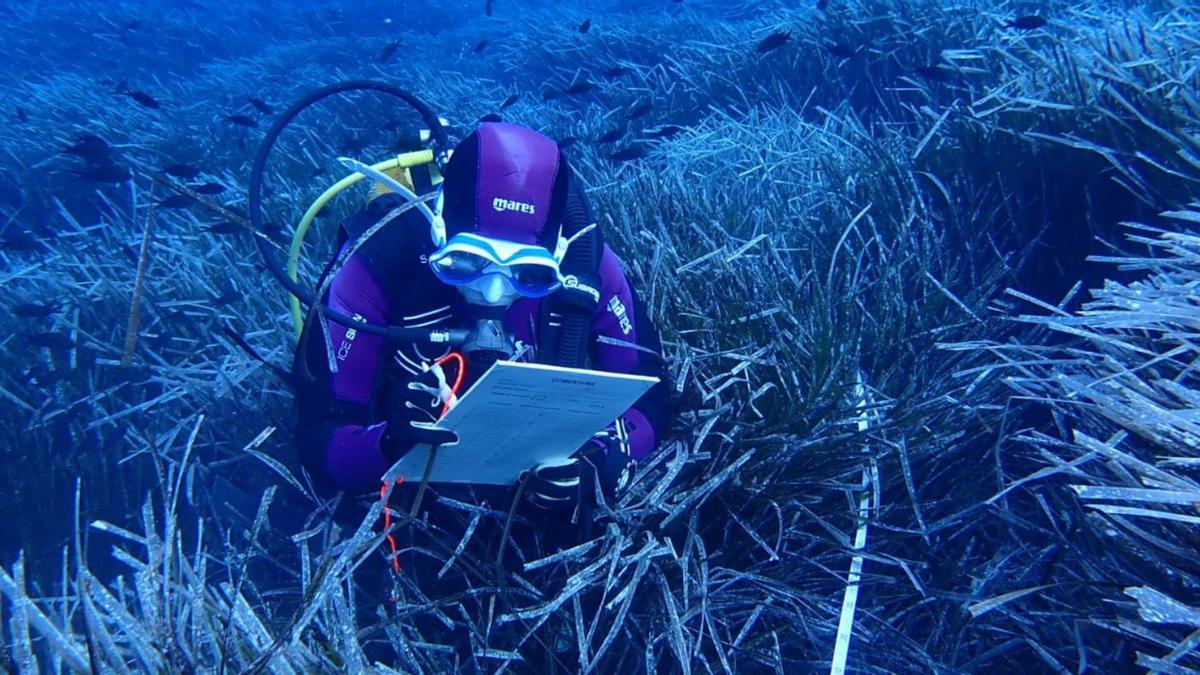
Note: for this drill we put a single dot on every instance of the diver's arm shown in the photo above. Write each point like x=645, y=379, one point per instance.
x=338, y=433
x=621, y=317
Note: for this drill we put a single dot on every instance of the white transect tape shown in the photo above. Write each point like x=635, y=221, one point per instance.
x=841, y=646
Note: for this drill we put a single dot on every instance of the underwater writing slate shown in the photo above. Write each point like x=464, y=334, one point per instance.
x=520, y=415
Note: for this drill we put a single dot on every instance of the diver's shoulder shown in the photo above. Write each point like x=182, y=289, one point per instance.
x=402, y=242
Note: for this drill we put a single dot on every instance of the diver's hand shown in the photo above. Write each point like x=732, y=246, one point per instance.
x=562, y=487
x=401, y=437
x=413, y=407
x=424, y=396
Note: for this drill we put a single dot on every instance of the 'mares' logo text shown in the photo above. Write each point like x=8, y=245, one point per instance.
x=501, y=205
x=618, y=309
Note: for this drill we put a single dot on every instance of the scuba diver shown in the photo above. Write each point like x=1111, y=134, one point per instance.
x=415, y=307
x=512, y=248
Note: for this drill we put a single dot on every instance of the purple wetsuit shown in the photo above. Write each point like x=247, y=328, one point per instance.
x=388, y=281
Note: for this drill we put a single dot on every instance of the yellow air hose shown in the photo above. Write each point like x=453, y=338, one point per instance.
x=407, y=160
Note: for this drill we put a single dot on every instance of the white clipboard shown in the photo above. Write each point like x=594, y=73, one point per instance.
x=520, y=415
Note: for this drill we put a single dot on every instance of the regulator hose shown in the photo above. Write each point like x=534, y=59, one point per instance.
x=441, y=144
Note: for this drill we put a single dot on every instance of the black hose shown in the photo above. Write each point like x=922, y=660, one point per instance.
x=441, y=144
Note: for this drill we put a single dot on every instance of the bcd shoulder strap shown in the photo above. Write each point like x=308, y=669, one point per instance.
x=566, y=317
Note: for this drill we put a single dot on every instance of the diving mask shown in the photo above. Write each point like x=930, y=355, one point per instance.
x=532, y=271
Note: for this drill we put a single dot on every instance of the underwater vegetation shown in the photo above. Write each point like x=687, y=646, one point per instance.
x=926, y=274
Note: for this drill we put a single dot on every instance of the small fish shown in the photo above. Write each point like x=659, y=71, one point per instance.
x=510, y=100
x=389, y=51
x=175, y=202
x=223, y=227
x=208, y=188
x=583, y=27
x=273, y=230
x=354, y=145
x=629, y=152
x=640, y=110
x=567, y=142
x=20, y=241
x=129, y=252
x=840, y=49
x=261, y=105
x=822, y=5
x=143, y=99
x=490, y=117
x=617, y=71
x=580, y=87
x=112, y=441
x=319, y=171
x=133, y=373
x=1027, y=22
x=394, y=126
x=104, y=173
x=88, y=146
x=480, y=46
x=55, y=340
x=185, y=171
x=487, y=7
x=41, y=376
x=132, y=24
x=611, y=135
x=35, y=310
x=225, y=298
x=250, y=351
x=773, y=41
x=665, y=131
x=549, y=95
x=242, y=121
x=22, y=116
x=933, y=72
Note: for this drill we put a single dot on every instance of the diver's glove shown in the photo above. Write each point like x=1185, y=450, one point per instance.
x=563, y=487
x=413, y=407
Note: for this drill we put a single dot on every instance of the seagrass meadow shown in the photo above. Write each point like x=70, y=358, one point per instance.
x=927, y=273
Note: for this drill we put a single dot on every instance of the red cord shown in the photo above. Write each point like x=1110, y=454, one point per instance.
x=383, y=491
x=387, y=523
x=458, y=379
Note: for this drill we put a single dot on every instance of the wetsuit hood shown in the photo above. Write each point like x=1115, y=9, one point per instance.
x=506, y=181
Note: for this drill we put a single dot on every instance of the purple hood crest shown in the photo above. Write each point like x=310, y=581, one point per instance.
x=500, y=183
